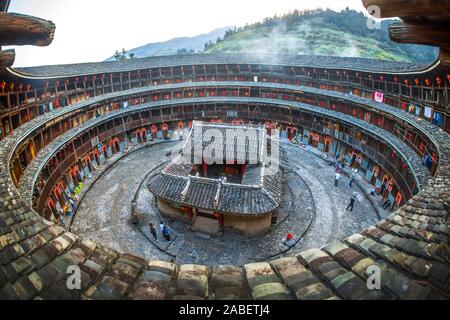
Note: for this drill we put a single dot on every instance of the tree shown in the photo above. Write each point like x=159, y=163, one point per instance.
x=117, y=55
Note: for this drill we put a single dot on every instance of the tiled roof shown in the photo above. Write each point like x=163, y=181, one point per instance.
x=257, y=194
x=361, y=64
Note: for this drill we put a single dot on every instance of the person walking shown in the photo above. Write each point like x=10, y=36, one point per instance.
x=153, y=231
x=352, y=203
x=60, y=213
x=386, y=204
x=352, y=179
x=336, y=179
x=166, y=233
x=161, y=227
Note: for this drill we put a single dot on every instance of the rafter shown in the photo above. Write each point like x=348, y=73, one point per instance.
x=18, y=29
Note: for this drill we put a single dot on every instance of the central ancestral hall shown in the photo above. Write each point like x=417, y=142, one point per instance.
x=224, y=177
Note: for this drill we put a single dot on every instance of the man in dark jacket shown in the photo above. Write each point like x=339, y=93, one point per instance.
x=352, y=203
x=166, y=232
x=153, y=231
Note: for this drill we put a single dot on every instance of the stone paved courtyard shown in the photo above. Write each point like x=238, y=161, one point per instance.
x=315, y=211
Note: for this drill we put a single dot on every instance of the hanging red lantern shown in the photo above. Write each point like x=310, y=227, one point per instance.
x=439, y=81
x=28, y=87
x=20, y=87
x=11, y=87
x=417, y=81
x=3, y=86
x=381, y=78
x=406, y=81
x=448, y=78
x=428, y=82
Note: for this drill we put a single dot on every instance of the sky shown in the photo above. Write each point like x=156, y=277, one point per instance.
x=92, y=30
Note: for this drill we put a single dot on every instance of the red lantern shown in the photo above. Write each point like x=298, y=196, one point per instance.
x=428, y=82
x=406, y=81
x=439, y=81
x=11, y=87
x=448, y=78
x=28, y=87
x=381, y=78
x=3, y=85
x=20, y=87
x=417, y=81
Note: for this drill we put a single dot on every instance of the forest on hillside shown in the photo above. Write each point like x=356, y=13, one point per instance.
x=324, y=32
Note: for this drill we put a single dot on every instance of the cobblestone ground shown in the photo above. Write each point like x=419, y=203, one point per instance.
x=332, y=221
x=104, y=214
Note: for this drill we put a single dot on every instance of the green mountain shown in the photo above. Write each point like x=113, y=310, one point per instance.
x=180, y=45
x=320, y=32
